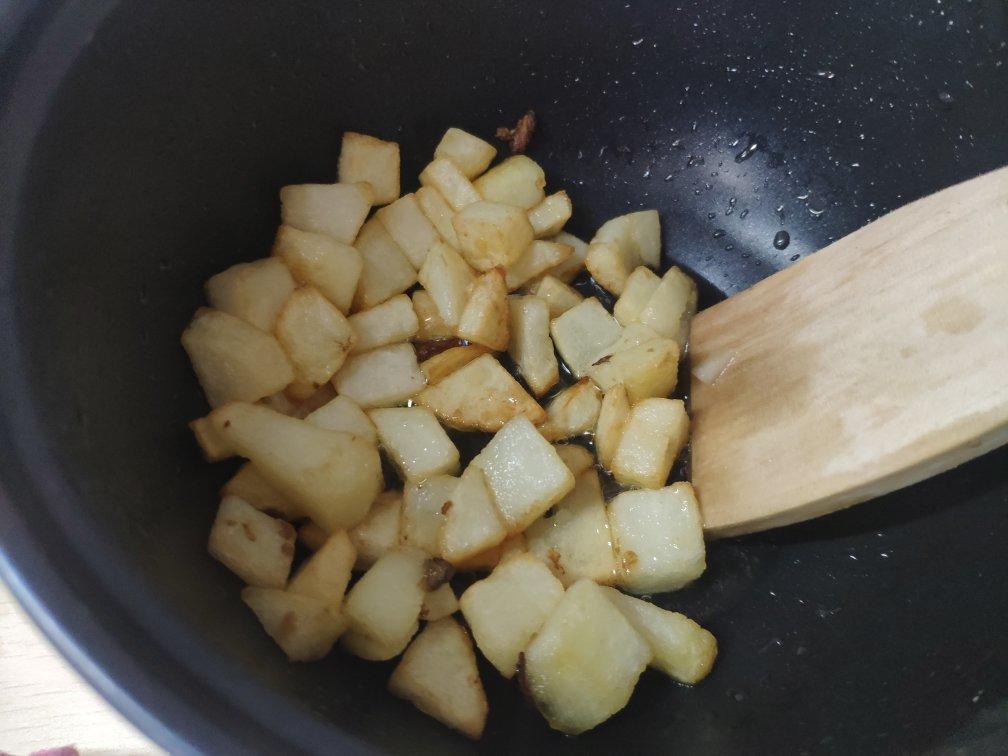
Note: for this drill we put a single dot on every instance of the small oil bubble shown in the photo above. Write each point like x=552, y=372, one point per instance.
x=782, y=239
x=824, y=73
x=711, y=216
x=945, y=98
x=743, y=214
x=718, y=233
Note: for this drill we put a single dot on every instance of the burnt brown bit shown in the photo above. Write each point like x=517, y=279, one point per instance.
x=629, y=560
x=285, y=529
x=554, y=556
x=436, y=572
x=446, y=507
x=249, y=533
x=427, y=349
x=521, y=677
x=227, y=423
x=519, y=137
x=424, y=611
x=287, y=548
x=602, y=360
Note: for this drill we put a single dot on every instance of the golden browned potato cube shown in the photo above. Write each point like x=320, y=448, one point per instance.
x=409, y=228
x=392, y=321
x=336, y=210
x=612, y=419
x=572, y=412
x=442, y=174
x=317, y=260
x=472, y=523
x=386, y=271
x=470, y=153
x=640, y=285
x=492, y=234
x=531, y=347
x=559, y=297
x=438, y=213
x=550, y=215
x=447, y=278
x=430, y=324
x=443, y=364
x=485, y=316
x=582, y=333
x=315, y=335
x=517, y=181
x=655, y=433
x=254, y=292
x=573, y=265
x=415, y=442
x=383, y=377
x=671, y=306
x=646, y=370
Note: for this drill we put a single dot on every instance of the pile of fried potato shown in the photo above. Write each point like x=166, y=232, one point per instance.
x=369, y=333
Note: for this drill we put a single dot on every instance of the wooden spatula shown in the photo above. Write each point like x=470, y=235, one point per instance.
x=873, y=364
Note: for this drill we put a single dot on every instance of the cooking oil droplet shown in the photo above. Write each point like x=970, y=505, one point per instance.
x=711, y=216
x=824, y=73
x=743, y=214
x=815, y=210
x=782, y=239
x=730, y=247
x=794, y=258
x=945, y=98
x=748, y=151
x=718, y=233
x=694, y=160
x=780, y=213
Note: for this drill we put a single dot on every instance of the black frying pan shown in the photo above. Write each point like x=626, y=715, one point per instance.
x=141, y=148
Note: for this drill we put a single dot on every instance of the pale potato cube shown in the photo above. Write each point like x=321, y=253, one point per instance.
x=332, y=477
x=573, y=265
x=572, y=412
x=447, y=278
x=576, y=457
x=671, y=307
x=633, y=336
x=254, y=292
x=583, y=332
x=559, y=297
x=679, y=646
x=622, y=245
x=438, y=675
x=646, y=370
x=472, y=523
x=254, y=546
x=531, y=347
x=492, y=234
x=470, y=153
x=366, y=647
x=482, y=395
x=233, y=360
x=304, y=627
x=390, y=322
x=214, y=448
x=386, y=270
x=443, y=364
x=383, y=377
x=439, y=603
x=326, y=573
x=336, y=210
x=365, y=158
x=574, y=541
x=640, y=285
x=658, y=537
x=655, y=433
x=442, y=174
x=248, y=485
x=415, y=442
x=409, y=228
x=485, y=317
x=385, y=603
x=506, y=609
x=379, y=532
x=430, y=324
x=612, y=420
x=517, y=181
x=343, y=414
x=538, y=257
x=312, y=536
x=550, y=215
x=424, y=504
x=315, y=335
x=524, y=472
x=438, y=213
x=583, y=665
x=315, y=259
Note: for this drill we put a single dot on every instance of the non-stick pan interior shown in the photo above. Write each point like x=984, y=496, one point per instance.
x=141, y=149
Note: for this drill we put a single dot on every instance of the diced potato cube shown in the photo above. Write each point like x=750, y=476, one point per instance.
x=383, y=377
x=646, y=370
x=485, y=318
x=583, y=332
x=304, y=627
x=254, y=292
x=386, y=271
x=233, y=360
x=480, y=396
x=574, y=541
x=622, y=245
x=388, y=323
x=574, y=264
x=384, y=605
x=517, y=181
x=430, y=324
x=633, y=336
x=409, y=228
x=572, y=412
x=336, y=210
x=559, y=297
x=640, y=285
x=332, y=477
x=442, y=174
x=423, y=512
x=214, y=448
x=491, y=234
x=655, y=433
x=312, y=536
x=438, y=213
x=315, y=259
x=326, y=573
x=439, y=603
x=470, y=153
x=550, y=215
x=658, y=537
x=576, y=457
x=506, y=609
x=447, y=278
x=486, y=560
x=612, y=420
x=679, y=646
x=671, y=307
x=365, y=158
x=443, y=364
x=343, y=414
x=524, y=472
x=438, y=675
x=314, y=334
x=472, y=523
x=538, y=257
x=415, y=441
x=531, y=347
x=379, y=532
x=366, y=647
x=254, y=546
x=583, y=665
x=248, y=485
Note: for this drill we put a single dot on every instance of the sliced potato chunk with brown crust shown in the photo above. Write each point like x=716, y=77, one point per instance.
x=430, y=324
x=254, y=546
x=572, y=412
x=438, y=213
x=484, y=319
x=573, y=265
x=640, y=285
x=443, y=364
x=645, y=371
x=491, y=234
x=612, y=419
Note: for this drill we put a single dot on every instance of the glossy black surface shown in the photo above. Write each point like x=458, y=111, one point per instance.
x=141, y=150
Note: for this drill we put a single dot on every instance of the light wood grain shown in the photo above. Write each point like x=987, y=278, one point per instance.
x=45, y=704
x=877, y=362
